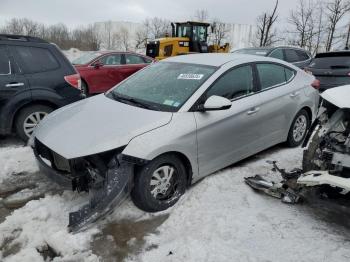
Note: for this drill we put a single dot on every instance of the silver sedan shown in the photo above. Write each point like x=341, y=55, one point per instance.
x=173, y=123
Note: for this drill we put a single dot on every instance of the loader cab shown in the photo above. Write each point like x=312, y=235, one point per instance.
x=196, y=32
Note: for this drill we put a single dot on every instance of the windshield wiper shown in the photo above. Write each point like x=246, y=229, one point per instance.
x=133, y=101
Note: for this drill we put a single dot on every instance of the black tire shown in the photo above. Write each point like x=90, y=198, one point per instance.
x=26, y=112
x=142, y=191
x=291, y=141
x=84, y=88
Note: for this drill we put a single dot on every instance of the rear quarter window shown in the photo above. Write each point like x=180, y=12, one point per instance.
x=272, y=75
x=36, y=59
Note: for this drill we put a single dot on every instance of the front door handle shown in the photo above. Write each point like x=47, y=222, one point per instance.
x=295, y=94
x=253, y=111
x=15, y=84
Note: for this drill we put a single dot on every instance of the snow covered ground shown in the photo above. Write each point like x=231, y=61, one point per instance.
x=218, y=219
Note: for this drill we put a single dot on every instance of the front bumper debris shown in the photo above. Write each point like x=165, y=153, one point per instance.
x=294, y=184
x=108, y=186
x=115, y=189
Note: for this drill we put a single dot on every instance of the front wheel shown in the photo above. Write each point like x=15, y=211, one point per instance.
x=298, y=129
x=159, y=184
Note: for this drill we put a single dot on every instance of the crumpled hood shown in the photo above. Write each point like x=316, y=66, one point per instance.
x=96, y=125
x=338, y=96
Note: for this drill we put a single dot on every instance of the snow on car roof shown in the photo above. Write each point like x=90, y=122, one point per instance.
x=338, y=96
x=217, y=59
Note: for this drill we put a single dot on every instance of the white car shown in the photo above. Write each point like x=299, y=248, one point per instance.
x=172, y=124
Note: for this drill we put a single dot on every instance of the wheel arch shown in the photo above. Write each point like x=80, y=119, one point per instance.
x=31, y=103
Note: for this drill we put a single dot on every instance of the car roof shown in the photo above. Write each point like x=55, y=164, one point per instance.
x=218, y=59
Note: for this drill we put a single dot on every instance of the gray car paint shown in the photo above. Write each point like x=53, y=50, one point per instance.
x=210, y=140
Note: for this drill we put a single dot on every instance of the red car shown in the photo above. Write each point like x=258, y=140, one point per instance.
x=101, y=70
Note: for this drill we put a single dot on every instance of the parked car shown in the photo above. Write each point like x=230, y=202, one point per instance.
x=294, y=55
x=331, y=69
x=102, y=70
x=35, y=79
x=171, y=124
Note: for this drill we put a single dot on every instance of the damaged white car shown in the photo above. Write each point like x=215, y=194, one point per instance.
x=170, y=125
x=326, y=160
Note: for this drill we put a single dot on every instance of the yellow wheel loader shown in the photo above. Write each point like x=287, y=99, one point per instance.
x=187, y=38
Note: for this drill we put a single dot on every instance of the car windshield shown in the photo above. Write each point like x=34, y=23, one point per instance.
x=86, y=58
x=340, y=62
x=261, y=52
x=162, y=86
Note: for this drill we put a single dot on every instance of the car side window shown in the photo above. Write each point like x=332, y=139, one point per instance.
x=272, y=75
x=302, y=55
x=115, y=59
x=133, y=59
x=277, y=53
x=36, y=59
x=5, y=65
x=235, y=83
x=291, y=55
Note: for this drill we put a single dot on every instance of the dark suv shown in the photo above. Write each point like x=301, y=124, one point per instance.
x=35, y=79
x=331, y=69
x=294, y=55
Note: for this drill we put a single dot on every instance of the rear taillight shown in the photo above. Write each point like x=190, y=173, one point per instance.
x=316, y=84
x=73, y=80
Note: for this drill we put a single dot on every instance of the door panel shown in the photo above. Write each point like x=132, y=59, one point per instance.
x=11, y=82
x=227, y=136
x=278, y=102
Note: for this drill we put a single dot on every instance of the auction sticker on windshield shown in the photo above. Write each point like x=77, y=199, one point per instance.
x=190, y=76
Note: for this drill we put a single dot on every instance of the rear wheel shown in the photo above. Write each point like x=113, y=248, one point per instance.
x=298, y=129
x=84, y=88
x=159, y=184
x=28, y=118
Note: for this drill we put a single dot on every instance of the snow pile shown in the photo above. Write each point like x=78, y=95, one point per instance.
x=16, y=160
x=44, y=222
x=222, y=219
x=40, y=223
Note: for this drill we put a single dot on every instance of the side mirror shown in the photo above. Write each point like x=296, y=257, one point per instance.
x=215, y=103
x=98, y=64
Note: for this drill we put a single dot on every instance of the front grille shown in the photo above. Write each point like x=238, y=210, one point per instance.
x=56, y=161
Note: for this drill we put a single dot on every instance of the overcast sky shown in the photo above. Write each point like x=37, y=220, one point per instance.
x=78, y=12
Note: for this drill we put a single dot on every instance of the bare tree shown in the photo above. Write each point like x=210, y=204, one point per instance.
x=141, y=36
x=265, y=23
x=157, y=27
x=22, y=26
x=123, y=37
x=219, y=31
x=336, y=9
x=302, y=23
x=201, y=15
x=85, y=38
x=108, y=34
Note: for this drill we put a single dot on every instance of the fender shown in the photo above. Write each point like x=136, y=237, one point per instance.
x=168, y=138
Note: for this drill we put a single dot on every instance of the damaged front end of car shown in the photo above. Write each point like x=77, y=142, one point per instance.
x=107, y=177
x=326, y=159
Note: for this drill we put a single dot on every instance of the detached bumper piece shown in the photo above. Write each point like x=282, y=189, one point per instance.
x=294, y=184
x=288, y=190
x=114, y=190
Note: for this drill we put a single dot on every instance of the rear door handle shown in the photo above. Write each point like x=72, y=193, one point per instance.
x=253, y=111
x=295, y=94
x=15, y=84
